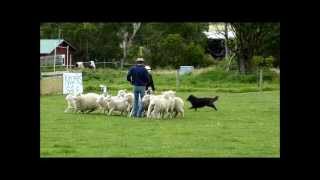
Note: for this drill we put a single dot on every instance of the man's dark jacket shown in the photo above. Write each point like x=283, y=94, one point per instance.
x=138, y=75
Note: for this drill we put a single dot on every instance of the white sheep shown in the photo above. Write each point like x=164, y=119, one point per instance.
x=178, y=106
x=153, y=99
x=159, y=106
x=86, y=102
x=116, y=103
x=129, y=97
x=170, y=95
x=70, y=98
x=162, y=106
x=122, y=93
x=145, y=101
x=102, y=101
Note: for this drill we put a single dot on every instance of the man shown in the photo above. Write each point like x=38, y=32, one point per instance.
x=138, y=76
x=150, y=83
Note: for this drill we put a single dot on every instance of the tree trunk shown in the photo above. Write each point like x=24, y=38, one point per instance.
x=242, y=67
x=226, y=40
x=124, y=54
x=127, y=41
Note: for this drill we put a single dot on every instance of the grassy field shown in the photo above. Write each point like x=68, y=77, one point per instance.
x=245, y=125
x=205, y=79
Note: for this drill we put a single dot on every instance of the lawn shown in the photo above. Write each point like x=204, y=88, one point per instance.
x=245, y=125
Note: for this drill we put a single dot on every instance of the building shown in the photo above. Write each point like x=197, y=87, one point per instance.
x=62, y=50
x=216, y=39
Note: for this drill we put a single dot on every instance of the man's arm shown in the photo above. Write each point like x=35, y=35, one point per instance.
x=151, y=82
x=146, y=75
x=129, y=76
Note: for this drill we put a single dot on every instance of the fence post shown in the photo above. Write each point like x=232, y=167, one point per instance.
x=54, y=60
x=260, y=80
x=67, y=56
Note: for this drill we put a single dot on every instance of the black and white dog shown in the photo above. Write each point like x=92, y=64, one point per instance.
x=202, y=102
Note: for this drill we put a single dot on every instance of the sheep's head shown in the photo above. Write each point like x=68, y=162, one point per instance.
x=122, y=93
x=100, y=99
x=107, y=99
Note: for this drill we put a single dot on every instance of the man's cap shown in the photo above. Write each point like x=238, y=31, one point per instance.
x=140, y=60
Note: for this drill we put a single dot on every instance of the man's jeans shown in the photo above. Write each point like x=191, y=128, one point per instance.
x=138, y=91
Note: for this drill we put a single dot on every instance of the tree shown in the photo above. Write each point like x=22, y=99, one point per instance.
x=172, y=50
x=251, y=39
x=157, y=37
x=262, y=63
x=127, y=37
x=92, y=40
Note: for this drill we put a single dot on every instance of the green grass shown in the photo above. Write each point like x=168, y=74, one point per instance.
x=207, y=79
x=245, y=125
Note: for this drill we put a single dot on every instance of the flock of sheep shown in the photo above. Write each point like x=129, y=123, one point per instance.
x=164, y=105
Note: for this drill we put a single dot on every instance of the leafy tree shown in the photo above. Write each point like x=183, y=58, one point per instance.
x=262, y=63
x=251, y=39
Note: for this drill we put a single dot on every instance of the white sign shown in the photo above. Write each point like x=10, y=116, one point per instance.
x=72, y=83
x=185, y=69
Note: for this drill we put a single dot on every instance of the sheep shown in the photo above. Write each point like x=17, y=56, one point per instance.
x=149, y=91
x=153, y=99
x=178, y=106
x=122, y=93
x=164, y=105
x=171, y=102
x=169, y=93
x=129, y=97
x=159, y=106
x=104, y=89
x=86, y=102
x=102, y=101
x=116, y=103
x=70, y=98
x=145, y=102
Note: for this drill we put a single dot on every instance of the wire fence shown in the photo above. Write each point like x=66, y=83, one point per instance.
x=48, y=65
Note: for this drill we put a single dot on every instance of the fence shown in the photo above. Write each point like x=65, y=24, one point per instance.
x=47, y=65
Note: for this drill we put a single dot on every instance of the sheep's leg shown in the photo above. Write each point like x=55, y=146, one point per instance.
x=90, y=110
x=166, y=114
x=181, y=112
x=110, y=111
x=154, y=115
x=175, y=114
x=149, y=110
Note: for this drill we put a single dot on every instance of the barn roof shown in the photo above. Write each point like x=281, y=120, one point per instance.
x=48, y=45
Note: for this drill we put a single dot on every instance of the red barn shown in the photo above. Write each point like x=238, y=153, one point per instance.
x=61, y=48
